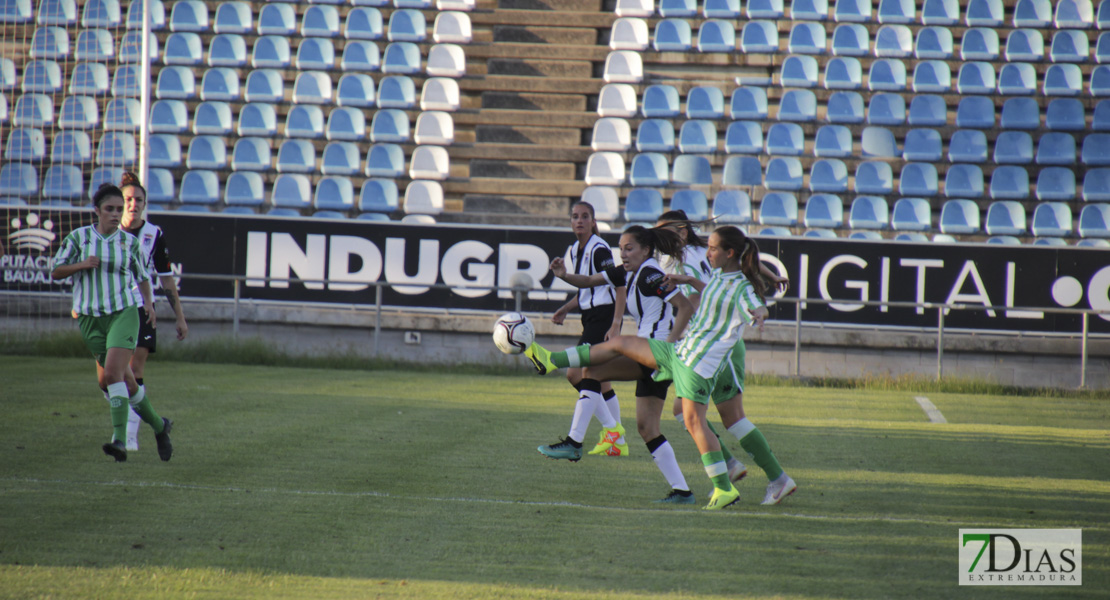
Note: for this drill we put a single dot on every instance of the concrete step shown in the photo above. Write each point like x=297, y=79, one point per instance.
x=567, y=188
x=512, y=169
x=527, y=101
x=548, y=136
x=546, y=206
x=579, y=6
x=543, y=18
x=526, y=34
x=506, y=219
x=539, y=68
x=512, y=83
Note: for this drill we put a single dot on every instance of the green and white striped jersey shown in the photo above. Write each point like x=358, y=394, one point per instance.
x=107, y=288
x=726, y=306
x=694, y=263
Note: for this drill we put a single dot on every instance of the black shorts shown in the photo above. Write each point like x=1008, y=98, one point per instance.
x=596, y=322
x=646, y=387
x=148, y=337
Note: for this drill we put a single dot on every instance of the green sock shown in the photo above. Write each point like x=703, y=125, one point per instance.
x=117, y=401
x=141, y=404
x=564, y=358
x=753, y=442
x=715, y=467
x=724, y=450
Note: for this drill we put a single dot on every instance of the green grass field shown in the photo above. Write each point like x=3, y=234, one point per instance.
x=309, y=483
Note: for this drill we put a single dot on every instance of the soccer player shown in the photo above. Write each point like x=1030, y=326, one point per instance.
x=153, y=243
x=661, y=312
x=731, y=299
x=105, y=264
x=602, y=310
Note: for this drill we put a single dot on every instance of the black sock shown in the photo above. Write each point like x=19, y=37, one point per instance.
x=573, y=443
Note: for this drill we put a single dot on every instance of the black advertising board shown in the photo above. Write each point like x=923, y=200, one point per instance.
x=351, y=255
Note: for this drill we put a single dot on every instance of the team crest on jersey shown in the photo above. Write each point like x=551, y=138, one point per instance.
x=147, y=237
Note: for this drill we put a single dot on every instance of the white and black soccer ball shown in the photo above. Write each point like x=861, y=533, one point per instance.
x=513, y=333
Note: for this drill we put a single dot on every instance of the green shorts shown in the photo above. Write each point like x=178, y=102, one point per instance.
x=687, y=383
x=730, y=379
x=117, y=330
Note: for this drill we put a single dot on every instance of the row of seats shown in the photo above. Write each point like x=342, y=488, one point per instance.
x=826, y=211
x=1077, y=14
x=832, y=175
x=854, y=40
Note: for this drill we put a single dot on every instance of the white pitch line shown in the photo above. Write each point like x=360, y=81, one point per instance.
x=930, y=409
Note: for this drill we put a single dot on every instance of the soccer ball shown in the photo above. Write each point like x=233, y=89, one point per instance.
x=513, y=332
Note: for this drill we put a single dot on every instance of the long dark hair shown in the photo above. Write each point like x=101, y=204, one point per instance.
x=732, y=238
x=130, y=179
x=106, y=190
x=593, y=214
x=679, y=219
x=656, y=239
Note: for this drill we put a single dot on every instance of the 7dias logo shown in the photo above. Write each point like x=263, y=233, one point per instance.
x=1021, y=557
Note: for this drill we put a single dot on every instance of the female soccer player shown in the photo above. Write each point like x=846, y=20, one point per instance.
x=730, y=299
x=602, y=309
x=105, y=264
x=153, y=244
x=661, y=312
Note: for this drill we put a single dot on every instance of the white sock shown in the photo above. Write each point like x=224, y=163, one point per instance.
x=139, y=395
x=583, y=412
x=601, y=409
x=117, y=393
x=133, y=421
x=681, y=420
x=668, y=465
x=741, y=428
x=614, y=407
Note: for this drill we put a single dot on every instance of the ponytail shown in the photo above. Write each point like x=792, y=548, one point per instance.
x=747, y=252
x=655, y=239
x=679, y=219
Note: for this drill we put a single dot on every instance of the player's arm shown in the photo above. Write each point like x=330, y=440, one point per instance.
x=561, y=314
x=750, y=303
x=559, y=268
x=161, y=260
x=683, y=311
x=620, y=293
x=63, y=268
x=683, y=279
x=780, y=283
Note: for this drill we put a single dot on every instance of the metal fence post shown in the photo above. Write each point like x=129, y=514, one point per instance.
x=235, y=312
x=940, y=342
x=797, y=339
x=377, y=317
x=1083, y=355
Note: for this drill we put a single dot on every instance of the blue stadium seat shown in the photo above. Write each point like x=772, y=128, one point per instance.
x=112, y=175
x=959, y=217
x=101, y=13
x=611, y=133
x=89, y=79
x=183, y=49
x=320, y=21
x=271, y=51
x=122, y=114
x=691, y=169
x=1050, y=241
x=157, y=16
x=199, y=187
x=227, y=50
x=346, y=124
x=1025, y=45
x=1066, y=114
x=844, y=107
x=1020, y=113
x=976, y=78
x=277, y=19
x=798, y=105
x=164, y=150
x=1100, y=81
x=378, y=195
x=50, y=43
x=328, y=214
x=364, y=23
x=661, y=101
x=33, y=110
x=1093, y=243
x=206, y=152
x=799, y=72
x=673, y=35
x=643, y=205
x=64, y=182
x=979, y=44
x=291, y=190
x=868, y=212
x=894, y=41
x=257, y=118
x=304, y=121
x=922, y=145
x=355, y=89
x=296, y=156
x=1009, y=182
x=984, y=13
x=1056, y=183
x=874, y=177
x=316, y=53
x=1100, y=118
x=251, y=154
x=334, y=193
x=385, y=160
x=976, y=112
x=71, y=147
x=1096, y=185
x=18, y=179
x=678, y=8
x=705, y=102
x=117, y=149
x=785, y=139
x=42, y=76
x=220, y=83
x=918, y=179
x=1035, y=14
x=402, y=58
x=1051, y=219
x=809, y=10
x=626, y=33
x=744, y=137
x=1056, y=148
x=851, y=39
x=721, y=9
x=407, y=25
x=833, y=141
x=1096, y=150
x=824, y=210
x=784, y=173
x=806, y=38
x=1070, y=46
x=189, y=15
x=940, y=12
x=693, y=202
x=911, y=214
x=887, y=75
x=879, y=142
x=176, y=83
x=77, y=112
x=933, y=43
x=759, y=37
x=390, y=125
x=852, y=11
x=233, y=17
x=748, y=103
x=765, y=9
x=649, y=169
x=1005, y=217
x=1094, y=221
x=963, y=181
x=1063, y=80
x=1077, y=14
x=1102, y=17
x=828, y=175
x=843, y=73
x=742, y=171
x=1017, y=79
x=886, y=109
x=57, y=12
x=312, y=87
x=968, y=145
x=655, y=135
x=932, y=76
x=360, y=55
x=732, y=207
x=340, y=158
x=264, y=85
x=25, y=145
x=126, y=80
x=778, y=209
x=1102, y=46
x=373, y=217
x=716, y=35
x=243, y=189
x=897, y=11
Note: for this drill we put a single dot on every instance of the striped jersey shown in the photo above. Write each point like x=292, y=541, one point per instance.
x=694, y=263
x=153, y=245
x=591, y=258
x=648, y=298
x=726, y=306
x=107, y=288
